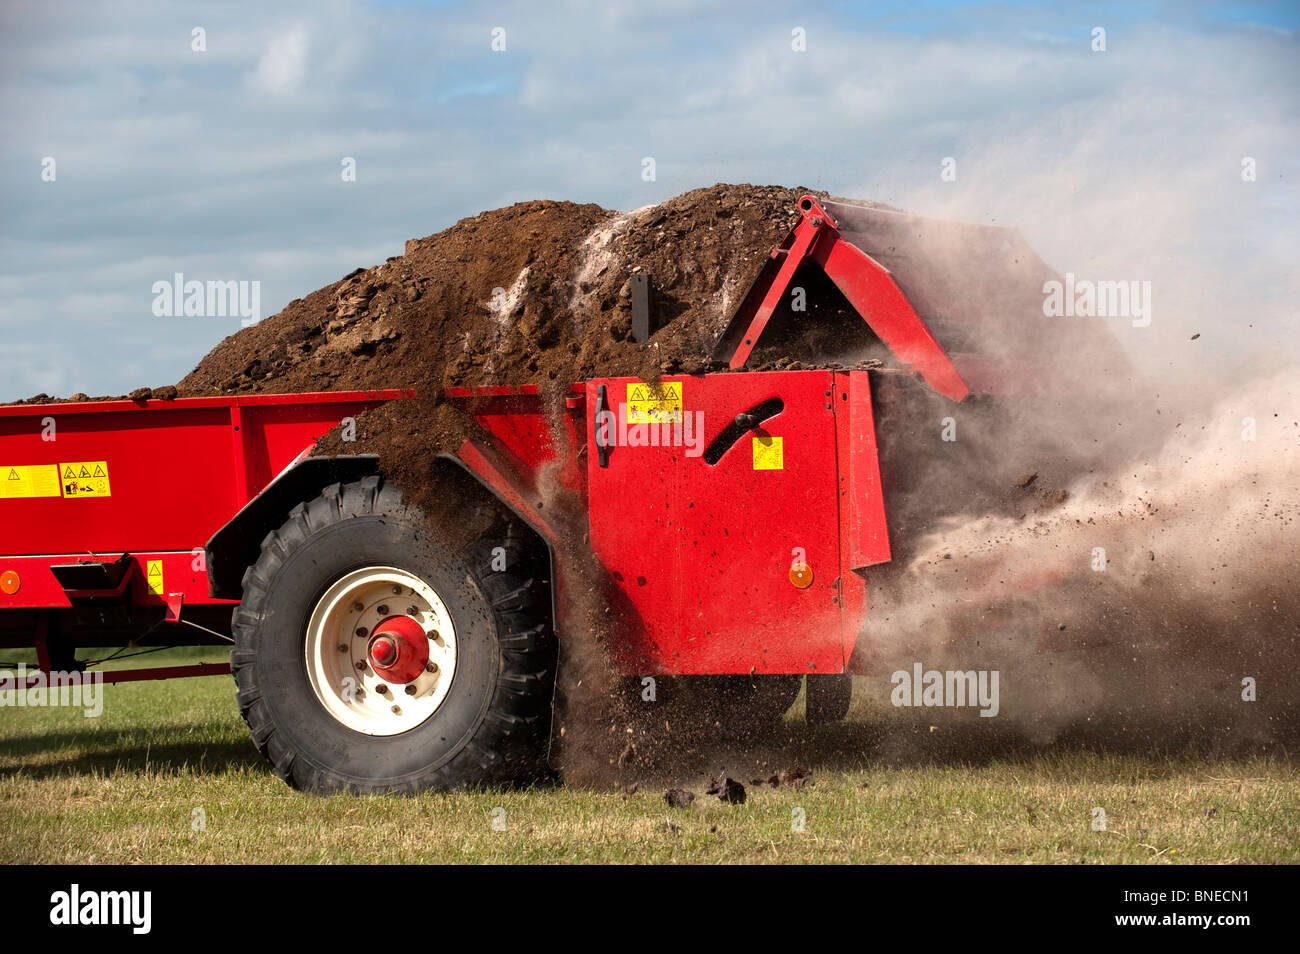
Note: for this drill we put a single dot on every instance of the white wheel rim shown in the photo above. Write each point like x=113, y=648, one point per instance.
x=354, y=694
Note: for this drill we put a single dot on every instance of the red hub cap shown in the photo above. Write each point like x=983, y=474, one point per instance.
x=399, y=650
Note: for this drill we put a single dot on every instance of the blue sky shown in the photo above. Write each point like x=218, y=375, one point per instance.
x=225, y=164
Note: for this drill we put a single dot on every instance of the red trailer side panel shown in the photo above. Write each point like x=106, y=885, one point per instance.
x=700, y=542
x=151, y=478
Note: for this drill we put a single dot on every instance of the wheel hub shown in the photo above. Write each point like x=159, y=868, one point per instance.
x=380, y=650
x=399, y=650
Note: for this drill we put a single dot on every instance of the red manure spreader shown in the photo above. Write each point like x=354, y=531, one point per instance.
x=733, y=517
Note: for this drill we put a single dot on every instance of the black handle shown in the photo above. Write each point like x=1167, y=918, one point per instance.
x=743, y=422
x=602, y=448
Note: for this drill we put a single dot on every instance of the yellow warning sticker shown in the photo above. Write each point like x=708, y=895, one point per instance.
x=654, y=403
x=36, y=480
x=768, y=453
x=154, y=574
x=85, y=478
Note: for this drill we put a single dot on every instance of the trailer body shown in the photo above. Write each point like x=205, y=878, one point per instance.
x=746, y=552
x=728, y=523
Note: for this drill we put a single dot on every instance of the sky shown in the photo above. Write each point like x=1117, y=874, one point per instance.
x=219, y=154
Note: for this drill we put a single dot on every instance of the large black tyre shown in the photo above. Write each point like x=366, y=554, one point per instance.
x=493, y=721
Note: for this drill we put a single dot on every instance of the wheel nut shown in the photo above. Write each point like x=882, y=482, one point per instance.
x=362, y=632
x=358, y=606
x=412, y=611
x=430, y=667
x=397, y=710
x=383, y=609
x=362, y=665
x=410, y=690
x=397, y=591
x=434, y=634
x=381, y=689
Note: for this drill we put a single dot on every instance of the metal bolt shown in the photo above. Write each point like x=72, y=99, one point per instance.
x=433, y=634
x=383, y=609
x=361, y=666
x=410, y=690
x=381, y=689
x=358, y=606
x=397, y=710
x=397, y=591
x=430, y=667
x=413, y=611
x=362, y=632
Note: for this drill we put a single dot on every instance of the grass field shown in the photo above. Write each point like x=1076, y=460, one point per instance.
x=167, y=774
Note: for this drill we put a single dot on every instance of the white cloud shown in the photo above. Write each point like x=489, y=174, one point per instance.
x=283, y=65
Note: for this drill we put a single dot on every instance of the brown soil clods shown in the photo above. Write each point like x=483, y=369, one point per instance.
x=679, y=797
x=728, y=790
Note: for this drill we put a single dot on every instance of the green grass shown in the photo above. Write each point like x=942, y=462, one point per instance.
x=125, y=787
